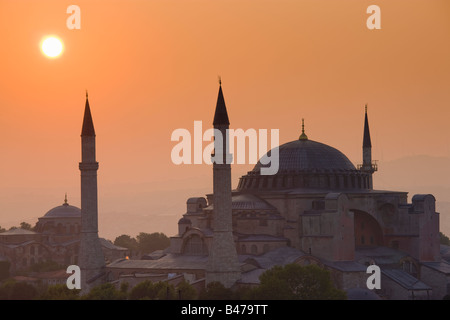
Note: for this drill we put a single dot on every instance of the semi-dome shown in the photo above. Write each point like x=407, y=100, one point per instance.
x=64, y=211
x=306, y=164
x=184, y=220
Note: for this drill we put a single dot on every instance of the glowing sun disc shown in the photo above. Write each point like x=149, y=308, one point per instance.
x=52, y=47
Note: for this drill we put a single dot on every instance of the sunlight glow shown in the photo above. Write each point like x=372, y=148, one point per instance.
x=52, y=47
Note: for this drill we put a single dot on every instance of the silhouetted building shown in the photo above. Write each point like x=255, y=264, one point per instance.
x=56, y=237
x=318, y=208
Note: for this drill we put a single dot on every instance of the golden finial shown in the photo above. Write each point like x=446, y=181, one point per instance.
x=303, y=136
x=86, y=94
x=366, y=107
x=65, y=199
x=220, y=81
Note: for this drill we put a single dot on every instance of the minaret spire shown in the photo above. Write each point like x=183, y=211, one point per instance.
x=368, y=167
x=88, y=124
x=366, y=140
x=221, y=114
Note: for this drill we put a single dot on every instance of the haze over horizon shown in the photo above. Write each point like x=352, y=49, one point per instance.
x=151, y=67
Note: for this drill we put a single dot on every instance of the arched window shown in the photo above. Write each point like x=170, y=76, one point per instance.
x=243, y=249
x=32, y=250
x=194, y=245
x=266, y=248
x=254, y=249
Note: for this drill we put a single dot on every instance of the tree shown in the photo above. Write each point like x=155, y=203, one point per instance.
x=2, y=229
x=142, y=290
x=59, y=292
x=216, y=291
x=295, y=282
x=186, y=291
x=147, y=243
x=26, y=226
x=165, y=291
x=444, y=239
x=13, y=290
x=153, y=291
x=127, y=242
x=106, y=291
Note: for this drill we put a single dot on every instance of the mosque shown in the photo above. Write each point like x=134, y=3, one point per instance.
x=56, y=237
x=319, y=208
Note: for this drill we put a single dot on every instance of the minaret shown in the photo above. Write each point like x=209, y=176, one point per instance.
x=367, y=165
x=223, y=265
x=91, y=259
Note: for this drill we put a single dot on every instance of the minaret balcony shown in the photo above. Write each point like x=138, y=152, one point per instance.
x=88, y=166
x=371, y=167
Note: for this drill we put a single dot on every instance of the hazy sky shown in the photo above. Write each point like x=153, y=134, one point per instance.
x=152, y=66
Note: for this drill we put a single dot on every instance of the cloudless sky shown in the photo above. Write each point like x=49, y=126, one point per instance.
x=152, y=67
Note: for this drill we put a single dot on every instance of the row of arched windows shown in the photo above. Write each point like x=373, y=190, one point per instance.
x=345, y=181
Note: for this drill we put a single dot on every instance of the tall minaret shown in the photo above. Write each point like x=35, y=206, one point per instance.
x=91, y=259
x=223, y=265
x=367, y=165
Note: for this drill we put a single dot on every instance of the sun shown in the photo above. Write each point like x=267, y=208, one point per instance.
x=52, y=46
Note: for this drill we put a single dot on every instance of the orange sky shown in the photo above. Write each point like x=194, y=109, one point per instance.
x=151, y=67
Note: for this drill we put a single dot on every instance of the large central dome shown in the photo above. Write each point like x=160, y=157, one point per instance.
x=306, y=164
x=301, y=155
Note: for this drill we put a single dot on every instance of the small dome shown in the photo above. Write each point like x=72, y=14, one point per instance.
x=64, y=211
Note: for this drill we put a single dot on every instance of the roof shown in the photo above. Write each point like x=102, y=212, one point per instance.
x=64, y=211
x=169, y=261
x=251, y=277
x=157, y=254
x=346, y=266
x=221, y=114
x=57, y=274
x=17, y=231
x=361, y=294
x=440, y=266
x=381, y=255
x=445, y=252
x=404, y=279
x=17, y=245
x=247, y=202
x=196, y=200
x=280, y=256
x=109, y=245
